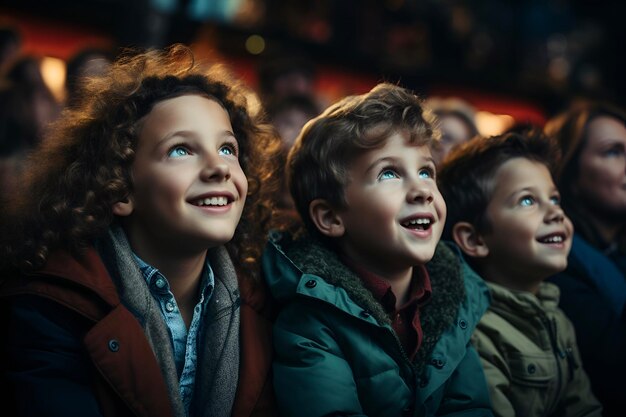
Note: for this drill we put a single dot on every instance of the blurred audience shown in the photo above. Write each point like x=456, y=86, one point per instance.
x=10, y=46
x=88, y=62
x=288, y=114
x=286, y=73
x=456, y=122
x=27, y=106
x=41, y=107
x=592, y=181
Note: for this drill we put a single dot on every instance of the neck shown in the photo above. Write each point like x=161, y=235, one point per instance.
x=512, y=282
x=398, y=278
x=184, y=275
x=401, y=286
x=180, y=263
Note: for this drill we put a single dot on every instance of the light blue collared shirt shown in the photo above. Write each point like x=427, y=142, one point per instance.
x=184, y=341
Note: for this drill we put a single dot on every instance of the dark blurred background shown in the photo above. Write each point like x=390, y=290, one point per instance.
x=525, y=58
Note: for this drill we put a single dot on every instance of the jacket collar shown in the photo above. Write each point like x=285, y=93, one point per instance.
x=288, y=264
x=523, y=302
x=87, y=271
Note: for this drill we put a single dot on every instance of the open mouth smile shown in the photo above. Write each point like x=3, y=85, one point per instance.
x=419, y=225
x=556, y=239
x=422, y=223
x=213, y=201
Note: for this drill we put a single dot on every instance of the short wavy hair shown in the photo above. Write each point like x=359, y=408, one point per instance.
x=467, y=176
x=84, y=166
x=321, y=155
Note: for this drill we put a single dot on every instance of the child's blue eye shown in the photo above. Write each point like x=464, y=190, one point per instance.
x=387, y=174
x=426, y=173
x=178, y=151
x=526, y=201
x=556, y=200
x=228, y=149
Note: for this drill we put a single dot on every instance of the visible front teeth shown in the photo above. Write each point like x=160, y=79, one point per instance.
x=553, y=239
x=213, y=201
x=421, y=223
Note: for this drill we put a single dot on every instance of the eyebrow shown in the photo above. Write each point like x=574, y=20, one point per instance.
x=532, y=189
x=612, y=141
x=378, y=162
x=431, y=160
x=393, y=159
x=190, y=133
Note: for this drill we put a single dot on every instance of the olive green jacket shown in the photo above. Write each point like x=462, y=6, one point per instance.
x=528, y=350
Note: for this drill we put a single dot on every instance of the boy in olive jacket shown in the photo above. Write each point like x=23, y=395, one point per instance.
x=504, y=212
x=366, y=327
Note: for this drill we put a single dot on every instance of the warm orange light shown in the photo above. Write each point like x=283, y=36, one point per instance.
x=53, y=73
x=490, y=124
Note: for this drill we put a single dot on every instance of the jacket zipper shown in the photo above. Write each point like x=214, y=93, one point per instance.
x=558, y=353
x=405, y=357
x=402, y=351
x=571, y=362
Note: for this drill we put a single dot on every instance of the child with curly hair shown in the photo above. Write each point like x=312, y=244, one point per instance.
x=130, y=280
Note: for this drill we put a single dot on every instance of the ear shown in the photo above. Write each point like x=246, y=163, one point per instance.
x=326, y=218
x=469, y=240
x=123, y=208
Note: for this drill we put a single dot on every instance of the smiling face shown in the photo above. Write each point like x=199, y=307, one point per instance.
x=395, y=213
x=530, y=236
x=189, y=189
x=601, y=181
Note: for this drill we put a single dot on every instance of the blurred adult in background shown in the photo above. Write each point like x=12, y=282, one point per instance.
x=18, y=132
x=26, y=76
x=288, y=114
x=286, y=87
x=456, y=121
x=88, y=62
x=286, y=73
x=10, y=46
x=27, y=106
x=592, y=181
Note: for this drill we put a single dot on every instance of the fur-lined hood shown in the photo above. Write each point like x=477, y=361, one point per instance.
x=456, y=291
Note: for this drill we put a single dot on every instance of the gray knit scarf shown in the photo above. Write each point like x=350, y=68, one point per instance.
x=218, y=347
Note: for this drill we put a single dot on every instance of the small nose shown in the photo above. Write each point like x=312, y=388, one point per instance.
x=555, y=214
x=215, y=169
x=420, y=192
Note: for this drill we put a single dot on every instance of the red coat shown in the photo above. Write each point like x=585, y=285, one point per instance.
x=129, y=381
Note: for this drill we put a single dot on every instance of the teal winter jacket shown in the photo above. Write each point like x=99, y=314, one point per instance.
x=337, y=354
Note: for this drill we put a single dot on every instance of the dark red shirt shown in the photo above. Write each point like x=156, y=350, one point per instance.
x=405, y=320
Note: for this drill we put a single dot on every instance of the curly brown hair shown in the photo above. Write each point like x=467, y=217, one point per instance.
x=83, y=167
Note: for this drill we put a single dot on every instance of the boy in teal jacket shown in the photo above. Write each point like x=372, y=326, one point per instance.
x=369, y=325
